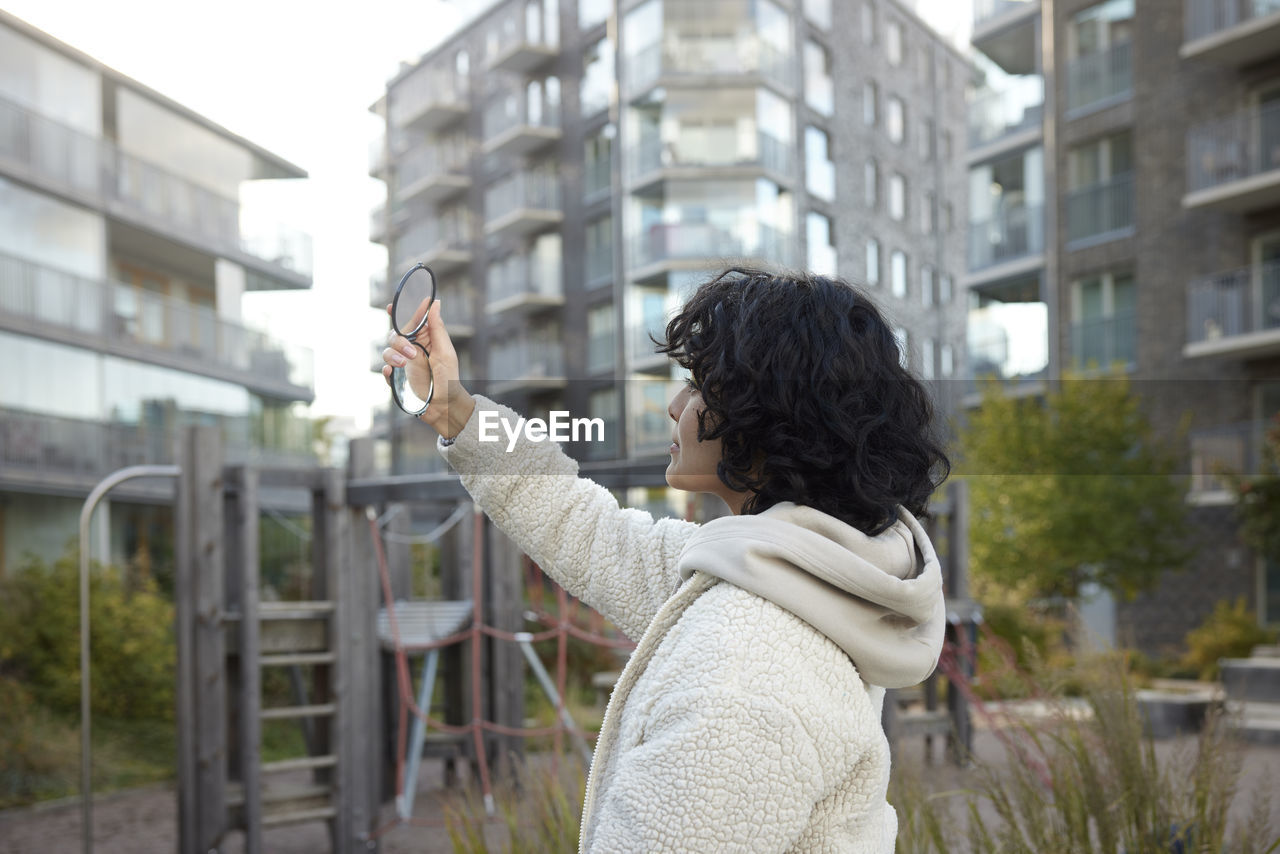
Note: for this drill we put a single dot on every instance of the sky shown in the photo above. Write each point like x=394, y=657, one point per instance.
x=297, y=78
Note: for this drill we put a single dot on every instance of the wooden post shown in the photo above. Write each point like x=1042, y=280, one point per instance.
x=360, y=712
x=958, y=571
x=198, y=594
x=505, y=663
x=242, y=594
x=456, y=555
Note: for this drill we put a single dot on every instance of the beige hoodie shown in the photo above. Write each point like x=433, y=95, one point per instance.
x=878, y=598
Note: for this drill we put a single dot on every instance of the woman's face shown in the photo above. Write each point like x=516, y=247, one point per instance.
x=693, y=463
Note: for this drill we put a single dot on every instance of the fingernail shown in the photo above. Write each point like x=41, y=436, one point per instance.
x=408, y=350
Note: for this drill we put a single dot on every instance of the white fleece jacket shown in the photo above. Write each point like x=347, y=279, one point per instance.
x=748, y=717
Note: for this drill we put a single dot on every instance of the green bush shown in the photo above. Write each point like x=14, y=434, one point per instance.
x=1229, y=632
x=1015, y=640
x=132, y=646
x=38, y=755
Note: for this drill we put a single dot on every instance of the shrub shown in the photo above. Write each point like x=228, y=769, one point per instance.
x=1229, y=632
x=38, y=756
x=538, y=813
x=132, y=645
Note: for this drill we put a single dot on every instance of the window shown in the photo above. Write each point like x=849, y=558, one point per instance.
x=819, y=12
x=1099, y=27
x=897, y=196
x=926, y=285
x=821, y=248
x=592, y=12
x=462, y=64
x=599, y=250
x=900, y=336
x=868, y=23
x=946, y=360
x=597, y=167
x=1104, y=320
x=944, y=289
x=898, y=273
x=926, y=139
x=1100, y=187
x=893, y=43
x=597, y=77
x=603, y=404
x=926, y=359
x=926, y=213
x=819, y=88
x=873, y=261
x=870, y=182
x=896, y=119
x=870, y=102
x=819, y=170
x=600, y=338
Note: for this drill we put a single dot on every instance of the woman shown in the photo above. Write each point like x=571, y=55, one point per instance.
x=748, y=717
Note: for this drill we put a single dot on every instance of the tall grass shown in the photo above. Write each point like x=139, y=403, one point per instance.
x=538, y=812
x=1091, y=782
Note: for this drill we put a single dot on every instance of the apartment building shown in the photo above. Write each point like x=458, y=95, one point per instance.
x=123, y=260
x=1124, y=211
x=571, y=169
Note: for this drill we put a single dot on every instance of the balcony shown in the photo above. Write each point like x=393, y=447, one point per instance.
x=121, y=320
x=1101, y=212
x=1011, y=235
x=1235, y=315
x=457, y=311
x=432, y=174
x=531, y=361
x=524, y=283
x=378, y=231
x=1232, y=32
x=1099, y=80
x=514, y=126
x=525, y=202
x=999, y=121
x=1228, y=449
x=1102, y=342
x=599, y=263
x=428, y=100
x=521, y=43
x=1233, y=164
x=378, y=157
x=708, y=63
x=380, y=291
x=697, y=245
x=441, y=244
x=65, y=160
x=1005, y=31
x=1007, y=334
x=656, y=161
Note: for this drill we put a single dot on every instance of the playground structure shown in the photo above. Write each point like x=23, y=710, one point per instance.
x=357, y=627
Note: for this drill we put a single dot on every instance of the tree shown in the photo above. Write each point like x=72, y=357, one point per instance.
x=1258, y=497
x=1069, y=489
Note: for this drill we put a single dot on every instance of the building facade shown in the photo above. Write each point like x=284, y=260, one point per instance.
x=572, y=170
x=123, y=260
x=1124, y=211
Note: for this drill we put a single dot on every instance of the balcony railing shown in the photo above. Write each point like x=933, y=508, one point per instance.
x=1207, y=17
x=112, y=313
x=88, y=165
x=1229, y=449
x=1101, y=209
x=1014, y=233
x=433, y=235
x=653, y=153
x=41, y=445
x=526, y=358
x=524, y=276
x=702, y=240
x=598, y=178
x=528, y=190
x=1231, y=149
x=695, y=57
x=600, y=262
x=379, y=290
x=1100, y=78
x=1104, y=341
x=430, y=97
x=1234, y=303
x=984, y=10
x=518, y=41
x=996, y=115
x=427, y=162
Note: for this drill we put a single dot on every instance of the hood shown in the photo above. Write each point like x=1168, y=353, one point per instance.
x=878, y=598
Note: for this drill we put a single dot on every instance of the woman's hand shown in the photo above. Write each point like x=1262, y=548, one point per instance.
x=451, y=404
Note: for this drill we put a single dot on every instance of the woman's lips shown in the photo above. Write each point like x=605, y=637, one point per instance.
x=674, y=447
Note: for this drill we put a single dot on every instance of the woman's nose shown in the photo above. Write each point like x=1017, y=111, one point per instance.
x=677, y=405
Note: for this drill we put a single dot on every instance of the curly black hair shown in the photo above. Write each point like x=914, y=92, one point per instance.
x=803, y=384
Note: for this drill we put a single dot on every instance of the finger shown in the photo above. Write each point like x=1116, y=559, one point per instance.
x=435, y=323
x=394, y=358
x=386, y=373
x=401, y=345
x=388, y=308
x=419, y=312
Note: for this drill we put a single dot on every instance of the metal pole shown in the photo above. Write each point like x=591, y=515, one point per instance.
x=86, y=514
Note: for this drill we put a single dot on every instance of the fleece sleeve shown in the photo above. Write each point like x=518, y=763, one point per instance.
x=716, y=771
x=619, y=561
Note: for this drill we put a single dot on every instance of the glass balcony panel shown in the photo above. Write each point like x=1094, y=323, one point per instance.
x=1230, y=448
x=1104, y=341
x=536, y=191
x=1014, y=233
x=1231, y=149
x=529, y=357
x=702, y=55
x=1238, y=302
x=986, y=9
x=429, y=98
x=1100, y=77
x=1207, y=17
x=1101, y=209
x=995, y=115
x=525, y=276
x=704, y=240
x=694, y=151
x=1008, y=332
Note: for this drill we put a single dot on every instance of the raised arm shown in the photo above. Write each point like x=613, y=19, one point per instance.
x=619, y=561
